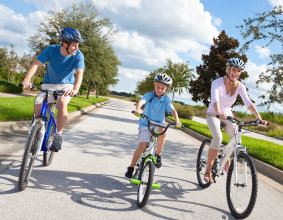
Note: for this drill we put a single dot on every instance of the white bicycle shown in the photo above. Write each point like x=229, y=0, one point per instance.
x=241, y=183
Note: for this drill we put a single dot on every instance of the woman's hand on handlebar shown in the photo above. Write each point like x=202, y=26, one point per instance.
x=222, y=116
x=260, y=119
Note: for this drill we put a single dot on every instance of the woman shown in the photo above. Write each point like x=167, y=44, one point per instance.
x=224, y=92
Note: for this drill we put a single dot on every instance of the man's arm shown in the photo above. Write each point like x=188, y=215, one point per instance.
x=78, y=81
x=32, y=69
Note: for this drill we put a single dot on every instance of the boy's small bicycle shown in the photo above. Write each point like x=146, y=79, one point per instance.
x=40, y=138
x=145, y=166
x=241, y=183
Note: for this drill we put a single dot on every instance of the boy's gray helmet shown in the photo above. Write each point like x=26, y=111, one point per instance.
x=163, y=78
x=237, y=62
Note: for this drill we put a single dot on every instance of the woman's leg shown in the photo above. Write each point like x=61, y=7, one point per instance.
x=214, y=127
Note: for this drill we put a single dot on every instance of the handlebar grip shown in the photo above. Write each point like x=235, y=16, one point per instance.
x=217, y=116
x=133, y=112
x=20, y=85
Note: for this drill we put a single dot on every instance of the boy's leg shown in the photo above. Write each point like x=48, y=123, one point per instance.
x=62, y=117
x=137, y=154
x=160, y=144
x=62, y=114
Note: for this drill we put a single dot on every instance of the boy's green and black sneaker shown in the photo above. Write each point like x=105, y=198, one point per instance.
x=158, y=161
x=129, y=173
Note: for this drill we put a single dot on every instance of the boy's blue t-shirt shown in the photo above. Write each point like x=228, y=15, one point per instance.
x=155, y=110
x=60, y=69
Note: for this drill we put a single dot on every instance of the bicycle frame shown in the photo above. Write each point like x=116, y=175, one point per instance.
x=233, y=145
x=45, y=130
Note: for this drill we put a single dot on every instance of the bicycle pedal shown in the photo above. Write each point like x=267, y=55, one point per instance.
x=222, y=173
x=54, y=150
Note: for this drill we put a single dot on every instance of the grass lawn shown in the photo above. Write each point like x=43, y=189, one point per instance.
x=21, y=108
x=262, y=150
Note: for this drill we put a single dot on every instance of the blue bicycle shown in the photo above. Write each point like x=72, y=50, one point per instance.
x=40, y=138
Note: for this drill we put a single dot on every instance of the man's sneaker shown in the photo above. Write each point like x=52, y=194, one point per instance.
x=56, y=145
x=129, y=173
x=158, y=161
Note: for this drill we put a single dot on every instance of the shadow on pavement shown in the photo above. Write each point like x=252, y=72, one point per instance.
x=109, y=192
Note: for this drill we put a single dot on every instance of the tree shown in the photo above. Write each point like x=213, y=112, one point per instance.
x=100, y=59
x=11, y=63
x=146, y=85
x=267, y=26
x=181, y=74
x=214, y=66
x=3, y=58
x=25, y=62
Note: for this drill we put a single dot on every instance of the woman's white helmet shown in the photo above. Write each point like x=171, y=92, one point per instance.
x=163, y=78
x=237, y=62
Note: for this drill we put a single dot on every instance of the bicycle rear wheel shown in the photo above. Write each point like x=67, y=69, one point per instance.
x=202, y=163
x=146, y=183
x=242, y=196
x=29, y=157
x=48, y=155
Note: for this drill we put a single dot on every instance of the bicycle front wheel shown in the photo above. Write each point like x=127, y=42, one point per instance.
x=241, y=194
x=146, y=183
x=202, y=163
x=48, y=155
x=29, y=157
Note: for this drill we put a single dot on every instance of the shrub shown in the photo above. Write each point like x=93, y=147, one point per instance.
x=185, y=113
x=199, y=107
x=9, y=87
x=241, y=114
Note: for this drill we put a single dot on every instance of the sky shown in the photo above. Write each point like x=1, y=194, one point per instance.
x=149, y=32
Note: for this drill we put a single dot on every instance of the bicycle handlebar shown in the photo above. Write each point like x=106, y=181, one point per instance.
x=250, y=123
x=157, y=125
x=54, y=92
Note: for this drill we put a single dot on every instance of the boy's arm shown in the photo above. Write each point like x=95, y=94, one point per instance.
x=78, y=81
x=175, y=115
x=138, y=107
x=32, y=69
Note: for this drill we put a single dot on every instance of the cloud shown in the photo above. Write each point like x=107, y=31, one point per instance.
x=254, y=71
x=134, y=74
x=115, y=5
x=15, y=28
x=276, y=2
x=263, y=52
x=217, y=21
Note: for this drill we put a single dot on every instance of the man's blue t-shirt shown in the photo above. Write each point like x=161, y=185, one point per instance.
x=60, y=69
x=155, y=110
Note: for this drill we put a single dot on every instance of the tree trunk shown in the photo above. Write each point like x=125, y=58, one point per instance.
x=173, y=95
x=88, y=92
x=97, y=93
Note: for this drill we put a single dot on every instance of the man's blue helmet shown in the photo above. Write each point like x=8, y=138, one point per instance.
x=71, y=35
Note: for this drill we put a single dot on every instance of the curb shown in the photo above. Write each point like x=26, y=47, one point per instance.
x=263, y=168
x=11, y=126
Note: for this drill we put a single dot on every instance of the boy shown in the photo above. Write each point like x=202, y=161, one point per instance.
x=156, y=104
x=64, y=62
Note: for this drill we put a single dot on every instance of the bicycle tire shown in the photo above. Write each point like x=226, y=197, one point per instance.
x=202, y=163
x=241, y=198
x=48, y=155
x=144, y=188
x=28, y=160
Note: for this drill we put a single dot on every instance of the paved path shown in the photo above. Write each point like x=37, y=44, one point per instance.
x=85, y=180
x=247, y=133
